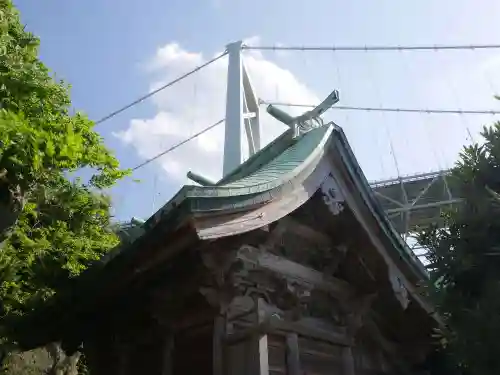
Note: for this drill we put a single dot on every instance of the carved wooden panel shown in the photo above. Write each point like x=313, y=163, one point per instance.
x=332, y=195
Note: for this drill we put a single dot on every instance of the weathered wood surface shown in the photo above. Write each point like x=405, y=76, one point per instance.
x=289, y=224
x=276, y=326
x=294, y=271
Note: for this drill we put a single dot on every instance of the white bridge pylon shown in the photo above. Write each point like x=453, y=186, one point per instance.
x=242, y=110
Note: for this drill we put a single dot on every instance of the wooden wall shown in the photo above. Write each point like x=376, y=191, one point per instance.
x=309, y=357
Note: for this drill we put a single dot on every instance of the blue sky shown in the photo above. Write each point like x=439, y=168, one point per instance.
x=114, y=51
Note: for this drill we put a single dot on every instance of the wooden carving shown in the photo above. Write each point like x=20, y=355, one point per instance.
x=331, y=195
x=290, y=297
x=220, y=287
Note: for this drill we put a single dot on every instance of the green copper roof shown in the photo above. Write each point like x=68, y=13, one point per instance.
x=255, y=181
x=285, y=163
x=258, y=160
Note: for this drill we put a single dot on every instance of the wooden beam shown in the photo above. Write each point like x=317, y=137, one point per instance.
x=275, y=326
x=290, y=225
x=294, y=271
x=305, y=231
x=243, y=335
x=278, y=326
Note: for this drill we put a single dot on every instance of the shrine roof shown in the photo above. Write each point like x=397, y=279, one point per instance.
x=278, y=168
x=252, y=183
x=270, y=170
x=277, y=163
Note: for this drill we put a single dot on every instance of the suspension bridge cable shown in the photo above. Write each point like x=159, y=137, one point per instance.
x=161, y=88
x=177, y=145
x=375, y=48
x=387, y=109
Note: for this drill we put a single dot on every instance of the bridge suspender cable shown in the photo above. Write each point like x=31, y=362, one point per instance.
x=177, y=145
x=369, y=109
x=388, y=109
x=154, y=92
x=375, y=48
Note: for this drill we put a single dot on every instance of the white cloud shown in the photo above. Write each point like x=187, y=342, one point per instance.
x=199, y=101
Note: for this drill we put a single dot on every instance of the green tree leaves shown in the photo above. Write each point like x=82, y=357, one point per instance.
x=39, y=138
x=465, y=259
x=52, y=228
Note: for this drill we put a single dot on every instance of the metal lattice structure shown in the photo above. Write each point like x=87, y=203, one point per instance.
x=416, y=200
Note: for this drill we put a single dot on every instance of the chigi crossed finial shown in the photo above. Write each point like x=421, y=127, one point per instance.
x=308, y=120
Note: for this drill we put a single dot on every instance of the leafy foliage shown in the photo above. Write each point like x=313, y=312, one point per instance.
x=39, y=137
x=56, y=226
x=53, y=240
x=465, y=260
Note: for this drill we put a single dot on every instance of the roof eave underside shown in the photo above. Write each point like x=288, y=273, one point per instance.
x=363, y=186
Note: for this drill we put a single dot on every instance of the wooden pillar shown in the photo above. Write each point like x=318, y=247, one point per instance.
x=218, y=345
x=348, y=361
x=167, y=365
x=292, y=354
x=259, y=355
